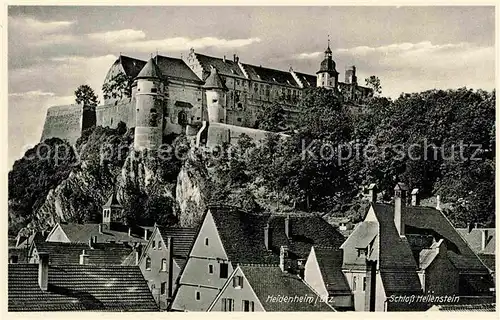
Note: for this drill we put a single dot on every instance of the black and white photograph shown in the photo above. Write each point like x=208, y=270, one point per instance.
x=244, y=158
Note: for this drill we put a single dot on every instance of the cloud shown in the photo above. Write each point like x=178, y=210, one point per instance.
x=183, y=43
x=36, y=26
x=32, y=94
x=308, y=55
x=117, y=35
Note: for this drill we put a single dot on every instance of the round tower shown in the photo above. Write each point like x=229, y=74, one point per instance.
x=150, y=96
x=215, y=91
x=327, y=76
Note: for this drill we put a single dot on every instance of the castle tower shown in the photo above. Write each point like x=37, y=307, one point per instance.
x=111, y=210
x=215, y=91
x=149, y=107
x=327, y=76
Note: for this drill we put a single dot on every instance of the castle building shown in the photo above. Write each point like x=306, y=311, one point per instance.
x=169, y=95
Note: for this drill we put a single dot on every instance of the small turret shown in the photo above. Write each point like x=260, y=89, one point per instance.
x=111, y=210
x=149, y=107
x=215, y=91
x=327, y=76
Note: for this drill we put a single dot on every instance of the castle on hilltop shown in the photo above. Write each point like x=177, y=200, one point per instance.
x=215, y=99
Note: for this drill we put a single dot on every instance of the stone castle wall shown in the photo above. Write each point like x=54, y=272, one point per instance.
x=111, y=114
x=219, y=133
x=64, y=122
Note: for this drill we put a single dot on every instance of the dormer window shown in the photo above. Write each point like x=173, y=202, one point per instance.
x=148, y=263
x=362, y=252
x=238, y=282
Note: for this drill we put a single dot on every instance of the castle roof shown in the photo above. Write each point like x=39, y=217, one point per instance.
x=327, y=65
x=150, y=70
x=224, y=67
x=175, y=68
x=131, y=66
x=214, y=81
x=274, y=76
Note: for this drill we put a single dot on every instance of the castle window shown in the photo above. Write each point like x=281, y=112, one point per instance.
x=238, y=282
x=154, y=90
x=227, y=304
x=364, y=283
x=248, y=306
x=163, y=288
x=214, y=100
x=138, y=89
x=148, y=263
x=198, y=295
x=210, y=269
x=159, y=245
x=224, y=270
x=354, y=283
x=238, y=82
x=163, y=264
x=238, y=119
x=182, y=118
x=240, y=106
x=154, y=244
x=206, y=241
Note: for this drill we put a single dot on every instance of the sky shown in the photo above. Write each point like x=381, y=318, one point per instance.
x=54, y=49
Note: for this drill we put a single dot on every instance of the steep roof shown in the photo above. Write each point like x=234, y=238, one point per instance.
x=242, y=235
x=270, y=281
x=306, y=230
x=150, y=70
x=308, y=80
x=175, y=68
x=270, y=75
x=182, y=237
x=69, y=253
x=79, y=288
x=214, y=81
x=131, y=66
x=330, y=265
x=225, y=67
x=474, y=238
x=80, y=233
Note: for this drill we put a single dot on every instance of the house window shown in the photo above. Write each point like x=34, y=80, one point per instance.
x=206, y=241
x=238, y=119
x=227, y=304
x=182, y=118
x=148, y=263
x=214, y=100
x=198, y=296
x=163, y=264
x=364, y=283
x=247, y=306
x=159, y=245
x=238, y=82
x=154, y=90
x=354, y=280
x=238, y=282
x=154, y=244
x=210, y=269
x=223, y=271
x=240, y=106
x=163, y=288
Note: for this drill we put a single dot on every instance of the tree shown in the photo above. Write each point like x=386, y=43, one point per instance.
x=119, y=87
x=86, y=95
x=271, y=118
x=374, y=83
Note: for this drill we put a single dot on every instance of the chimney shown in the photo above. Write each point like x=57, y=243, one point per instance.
x=91, y=243
x=400, y=192
x=129, y=231
x=469, y=227
x=84, y=258
x=283, y=258
x=234, y=57
x=415, y=199
x=145, y=234
x=438, y=202
x=372, y=193
x=170, y=284
x=267, y=237
x=224, y=58
x=484, y=238
x=43, y=270
x=100, y=228
x=287, y=226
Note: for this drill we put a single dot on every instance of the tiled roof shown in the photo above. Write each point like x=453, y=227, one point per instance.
x=81, y=233
x=330, y=265
x=69, y=253
x=305, y=231
x=214, y=81
x=430, y=220
x=400, y=281
x=131, y=66
x=270, y=281
x=150, y=70
x=242, y=235
x=227, y=67
x=182, y=237
x=175, y=68
x=270, y=75
x=488, y=260
x=490, y=247
x=79, y=288
x=427, y=255
x=308, y=80
x=474, y=238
